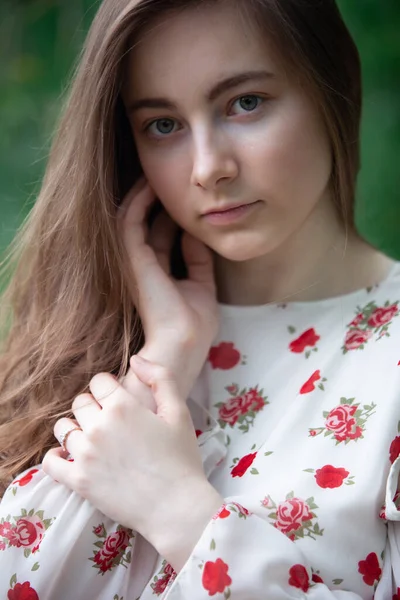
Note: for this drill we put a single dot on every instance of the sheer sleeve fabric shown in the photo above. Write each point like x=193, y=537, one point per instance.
x=56, y=545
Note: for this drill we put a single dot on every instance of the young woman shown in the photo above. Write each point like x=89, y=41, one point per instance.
x=249, y=448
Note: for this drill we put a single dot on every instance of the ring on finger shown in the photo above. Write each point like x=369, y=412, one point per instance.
x=64, y=437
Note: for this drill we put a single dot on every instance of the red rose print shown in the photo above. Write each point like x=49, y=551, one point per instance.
x=97, y=530
x=252, y=400
x=28, y=532
x=198, y=432
x=244, y=463
x=342, y=423
x=299, y=577
x=232, y=389
x=223, y=514
x=330, y=477
x=242, y=406
x=242, y=510
x=309, y=385
x=5, y=529
x=26, y=478
x=215, y=577
x=397, y=595
x=266, y=503
x=224, y=356
x=382, y=316
x=291, y=515
x=168, y=570
x=160, y=585
x=356, y=338
x=370, y=569
x=22, y=591
x=2, y=546
x=316, y=578
x=113, y=546
x=353, y=433
x=394, y=450
x=356, y=321
x=232, y=409
x=165, y=575
x=308, y=338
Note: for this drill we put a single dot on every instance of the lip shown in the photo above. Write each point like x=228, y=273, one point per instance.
x=227, y=208
x=231, y=214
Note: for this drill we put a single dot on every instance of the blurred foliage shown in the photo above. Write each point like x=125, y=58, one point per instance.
x=40, y=41
x=39, y=44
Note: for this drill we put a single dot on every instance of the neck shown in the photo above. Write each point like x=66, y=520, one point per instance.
x=317, y=262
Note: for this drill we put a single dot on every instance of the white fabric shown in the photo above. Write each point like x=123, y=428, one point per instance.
x=302, y=442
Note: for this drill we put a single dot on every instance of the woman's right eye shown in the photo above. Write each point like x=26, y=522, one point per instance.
x=161, y=127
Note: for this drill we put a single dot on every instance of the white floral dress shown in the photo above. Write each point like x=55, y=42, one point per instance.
x=297, y=411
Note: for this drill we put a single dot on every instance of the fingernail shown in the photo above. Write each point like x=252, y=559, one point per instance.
x=138, y=359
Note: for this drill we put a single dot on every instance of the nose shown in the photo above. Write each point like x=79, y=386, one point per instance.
x=214, y=161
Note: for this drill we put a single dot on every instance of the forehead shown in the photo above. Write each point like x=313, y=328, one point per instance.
x=196, y=46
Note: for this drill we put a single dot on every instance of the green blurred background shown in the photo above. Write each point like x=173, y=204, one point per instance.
x=40, y=41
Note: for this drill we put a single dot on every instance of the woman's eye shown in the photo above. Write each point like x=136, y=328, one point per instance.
x=248, y=103
x=161, y=127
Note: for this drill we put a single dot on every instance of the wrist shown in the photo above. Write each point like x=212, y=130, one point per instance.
x=188, y=516
x=176, y=361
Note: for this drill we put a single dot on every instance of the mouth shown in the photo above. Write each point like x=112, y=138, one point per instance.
x=230, y=214
x=228, y=208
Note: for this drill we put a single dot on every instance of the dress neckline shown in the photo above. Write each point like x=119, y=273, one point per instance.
x=231, y=310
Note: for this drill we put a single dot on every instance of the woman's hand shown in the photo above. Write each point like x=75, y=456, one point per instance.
x=141, y=469
x=180, y=318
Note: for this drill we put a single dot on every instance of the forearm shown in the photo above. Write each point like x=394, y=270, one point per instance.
x=189, y=512
x=180, y=359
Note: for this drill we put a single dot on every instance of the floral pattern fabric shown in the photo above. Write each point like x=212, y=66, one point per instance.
x=297, y=413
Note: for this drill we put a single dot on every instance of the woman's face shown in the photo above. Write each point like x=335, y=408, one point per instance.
x=218, y=123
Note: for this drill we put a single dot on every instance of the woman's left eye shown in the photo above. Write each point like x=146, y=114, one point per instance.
x=248, y=103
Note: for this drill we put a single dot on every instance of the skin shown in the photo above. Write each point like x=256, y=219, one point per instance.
x=277, y=153
x=141, y=469
x=260, y=140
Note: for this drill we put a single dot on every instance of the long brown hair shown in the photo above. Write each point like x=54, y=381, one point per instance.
x=67, y=312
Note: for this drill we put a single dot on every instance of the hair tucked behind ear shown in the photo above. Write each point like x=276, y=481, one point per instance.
x=66, y=313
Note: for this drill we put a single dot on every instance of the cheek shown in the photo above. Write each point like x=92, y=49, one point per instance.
x=292, y=160
x=167, y=176
x=309, y=160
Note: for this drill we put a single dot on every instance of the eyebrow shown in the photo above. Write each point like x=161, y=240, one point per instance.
x=211, y=95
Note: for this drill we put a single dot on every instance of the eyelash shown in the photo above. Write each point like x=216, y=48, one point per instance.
x=160, y=136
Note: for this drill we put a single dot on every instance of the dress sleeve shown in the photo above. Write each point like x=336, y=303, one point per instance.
x=54, y=544
x=389, y=586
x=241, y=555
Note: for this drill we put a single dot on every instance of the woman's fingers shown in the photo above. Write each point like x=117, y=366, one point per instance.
x=161, y=239
x=55, y=465
x=133, y=192
x=170, y=404
x=133, y=214
x=108, y=392
x=199, y=261
x=85, y=409
x=143, y=260
x=69, y=434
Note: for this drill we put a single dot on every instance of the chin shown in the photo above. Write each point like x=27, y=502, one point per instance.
x=240, y=252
